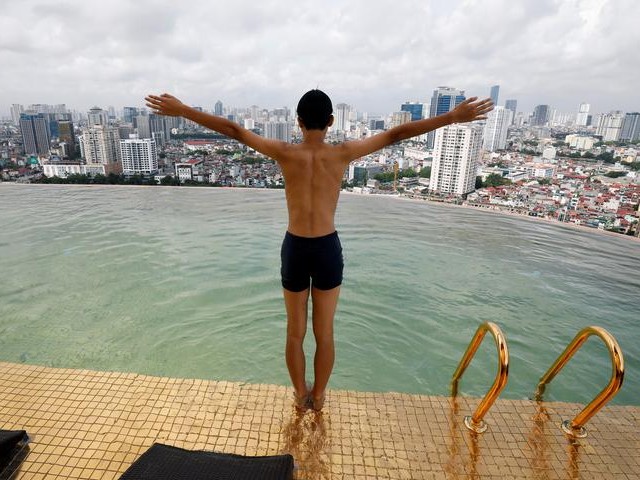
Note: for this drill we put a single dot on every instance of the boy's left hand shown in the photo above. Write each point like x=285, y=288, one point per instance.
x=165, y=104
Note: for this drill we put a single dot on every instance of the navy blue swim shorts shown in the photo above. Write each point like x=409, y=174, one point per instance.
x=317, y=259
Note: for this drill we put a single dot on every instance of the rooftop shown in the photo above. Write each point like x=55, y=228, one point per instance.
x=93, y=425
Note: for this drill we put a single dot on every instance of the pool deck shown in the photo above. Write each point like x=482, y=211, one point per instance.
x=93, y=425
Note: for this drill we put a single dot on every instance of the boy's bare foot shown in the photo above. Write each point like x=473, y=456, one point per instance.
x=302, y=401
x=317, y=402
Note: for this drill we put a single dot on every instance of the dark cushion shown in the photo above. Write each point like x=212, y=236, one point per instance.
x=163, y=462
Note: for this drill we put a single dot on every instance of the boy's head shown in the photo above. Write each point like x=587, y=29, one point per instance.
x=314, y=110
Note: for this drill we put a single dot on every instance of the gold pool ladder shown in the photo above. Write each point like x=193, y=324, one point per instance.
x=475, y=422
x=575, y=427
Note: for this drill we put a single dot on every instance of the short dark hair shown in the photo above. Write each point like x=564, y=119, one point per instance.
x=314, y=110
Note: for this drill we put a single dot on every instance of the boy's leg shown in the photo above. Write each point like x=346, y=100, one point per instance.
x=324, y=308
x=296, y=305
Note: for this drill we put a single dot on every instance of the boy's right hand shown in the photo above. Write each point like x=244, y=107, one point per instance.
x=471, y=109
x=165, y=104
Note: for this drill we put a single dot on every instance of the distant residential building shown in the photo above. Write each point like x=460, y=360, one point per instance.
x=16, y=110
x=218, y=108
x=495, y=93
x=540, y=115
x=139, y=156
x=549, y=153
x=98, y=116
x=249, y=123
x=580, y=142
x=63, y=170
x=341, y=115
x=495, y=129
x=159, y=129
x=101, y=144
x=631, y=127
x=416, y=110
x=610, y=126
x=443, y=100
x=129, y=114
x=398, y=118
x=35, y=133
x=376, y=124
x=582, y=118
x=455, y=158
x=278, y=131
x=540, y=170
x=513, y=106
x=143, y=126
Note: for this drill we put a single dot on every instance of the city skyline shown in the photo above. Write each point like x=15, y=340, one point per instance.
x=373, y=56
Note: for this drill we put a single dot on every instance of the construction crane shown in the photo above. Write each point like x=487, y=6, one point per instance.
x=395, y=175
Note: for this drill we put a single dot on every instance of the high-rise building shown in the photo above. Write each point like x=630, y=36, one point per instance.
x=159, y=128
x=101, y=144
x=16, y=110
x=67, y=135
x=98, y=116
x=455, y=158
x=143, y=126
x=495, y=92
x=583, y=115
x=495, y=129
x=444, y=100
x=513, y=106
x=218, y=108
x=416, y=109
x=129, y=113
x=398, y=118
x=278, y=131
x=341, y=115
x=631, y=127
x=540, y=116
x=139, y=156
x=35, y=133
x=610, y=126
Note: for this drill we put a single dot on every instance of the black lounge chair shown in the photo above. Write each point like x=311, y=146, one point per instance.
x=13, y=450
x=163, y=462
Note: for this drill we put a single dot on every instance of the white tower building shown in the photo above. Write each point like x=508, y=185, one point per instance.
x=100, y=144
x=495, y=129
x=138, y=155
x=583, y=115
x=455, y=158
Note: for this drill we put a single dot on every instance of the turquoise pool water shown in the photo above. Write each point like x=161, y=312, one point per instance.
x=185, y=282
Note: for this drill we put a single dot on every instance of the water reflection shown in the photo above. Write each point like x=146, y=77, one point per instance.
x=457, y=466
x=306, y=438
x=539, y=443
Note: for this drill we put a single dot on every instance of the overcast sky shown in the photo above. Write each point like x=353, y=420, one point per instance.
x=372, y=54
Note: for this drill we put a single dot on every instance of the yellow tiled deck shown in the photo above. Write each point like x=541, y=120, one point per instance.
x=93, y=425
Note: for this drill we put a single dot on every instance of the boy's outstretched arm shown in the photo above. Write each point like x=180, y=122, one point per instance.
x=166, y=104
x=468, y=111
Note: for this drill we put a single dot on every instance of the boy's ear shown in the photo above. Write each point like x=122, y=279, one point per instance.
x=300, y=124
x=331, y=119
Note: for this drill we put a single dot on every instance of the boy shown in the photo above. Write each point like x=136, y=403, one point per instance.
x=311, y=249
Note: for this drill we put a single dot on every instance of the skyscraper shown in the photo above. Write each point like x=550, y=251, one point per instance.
x=495, y=129
x=159, y=128
x=98, y=116
x=495, y=92
x=143, y=126
x=67, y=135
x=35, y=133
x=341, y=114
x=218, y=108
x=129, y=113
x=100, y=144
x=444, y=100
x=631, y=127
x=398, y=118
x=16, y=110
x=513, y=106
x=610, y=126
x=540, y=116
x=278, y=131
x=455, y=158
x=583, y=115
x=139, y=156
x=416, y=109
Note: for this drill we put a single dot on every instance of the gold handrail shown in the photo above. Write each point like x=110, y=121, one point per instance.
x=475, y=422
x=575, y=427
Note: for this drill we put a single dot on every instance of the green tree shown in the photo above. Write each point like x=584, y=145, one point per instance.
x=615, y=174
x=496, y=180
x=425, y=172
x=479, y=183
